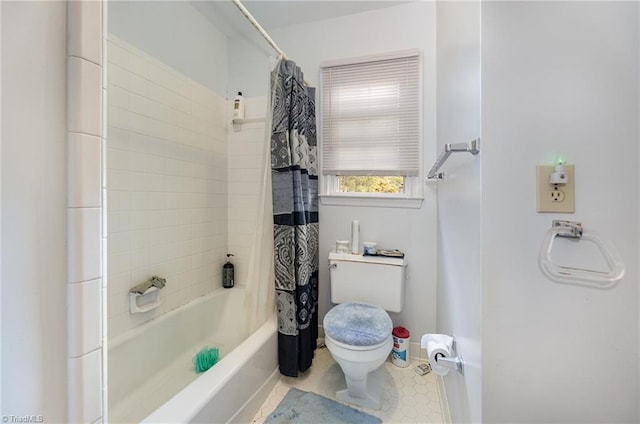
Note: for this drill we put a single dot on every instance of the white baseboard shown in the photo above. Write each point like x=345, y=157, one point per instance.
x=444, y=402
x=416, y=352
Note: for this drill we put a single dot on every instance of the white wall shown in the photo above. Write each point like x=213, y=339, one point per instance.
x=410, y=230
x=558, y=78
x=175, y=33
x=459, y=202
x=251, y=60
x=34, y=262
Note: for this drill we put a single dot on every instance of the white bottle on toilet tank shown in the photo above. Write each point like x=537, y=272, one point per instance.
x=355, y=237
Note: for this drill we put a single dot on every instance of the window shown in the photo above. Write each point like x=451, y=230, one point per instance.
x=370, y=127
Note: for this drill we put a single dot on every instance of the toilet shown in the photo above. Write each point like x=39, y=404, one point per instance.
x=358, y=330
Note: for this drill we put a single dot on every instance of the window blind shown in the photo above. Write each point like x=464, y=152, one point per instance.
x=370, y=117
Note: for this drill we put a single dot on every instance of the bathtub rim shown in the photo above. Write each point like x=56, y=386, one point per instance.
x=185, y=405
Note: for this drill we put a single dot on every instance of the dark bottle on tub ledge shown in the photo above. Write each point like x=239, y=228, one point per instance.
x=227, y=273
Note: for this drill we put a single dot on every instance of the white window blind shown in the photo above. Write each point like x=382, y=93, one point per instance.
x=371, y=117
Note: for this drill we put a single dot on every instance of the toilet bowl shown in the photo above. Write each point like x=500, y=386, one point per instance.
x=358, y=336
x=358, y=329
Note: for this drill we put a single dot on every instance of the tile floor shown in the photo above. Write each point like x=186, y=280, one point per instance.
x=406, y=396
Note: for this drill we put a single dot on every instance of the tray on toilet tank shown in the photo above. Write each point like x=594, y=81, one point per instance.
x=334, y=256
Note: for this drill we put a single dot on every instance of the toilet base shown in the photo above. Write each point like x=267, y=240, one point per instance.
x=372, y=391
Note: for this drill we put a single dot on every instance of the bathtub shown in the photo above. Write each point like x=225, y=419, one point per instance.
x=150, y=371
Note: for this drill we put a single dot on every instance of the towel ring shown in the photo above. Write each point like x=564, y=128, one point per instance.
x=580, y=276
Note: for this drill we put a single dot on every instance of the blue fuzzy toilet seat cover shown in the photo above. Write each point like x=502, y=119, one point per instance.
x=358, y=324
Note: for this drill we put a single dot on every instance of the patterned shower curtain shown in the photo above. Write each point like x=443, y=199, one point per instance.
x=295, y=216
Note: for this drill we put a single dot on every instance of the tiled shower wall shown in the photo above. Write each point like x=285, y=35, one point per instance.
x=167, y=183
x=84, y=209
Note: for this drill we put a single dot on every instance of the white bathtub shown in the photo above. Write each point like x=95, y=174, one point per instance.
x=151, y=371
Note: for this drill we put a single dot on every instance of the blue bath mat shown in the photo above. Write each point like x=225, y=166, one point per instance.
x=300, y=407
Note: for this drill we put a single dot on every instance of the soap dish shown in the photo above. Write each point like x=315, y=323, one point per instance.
x=145, y=302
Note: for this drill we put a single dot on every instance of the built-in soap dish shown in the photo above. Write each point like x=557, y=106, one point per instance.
x=145, y=297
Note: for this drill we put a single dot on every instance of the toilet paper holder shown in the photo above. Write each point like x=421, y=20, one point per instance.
x=454, y=363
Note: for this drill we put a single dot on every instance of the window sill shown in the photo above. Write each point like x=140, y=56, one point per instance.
x=375, y=201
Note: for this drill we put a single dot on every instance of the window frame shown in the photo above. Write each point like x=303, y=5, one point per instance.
x=414, y=185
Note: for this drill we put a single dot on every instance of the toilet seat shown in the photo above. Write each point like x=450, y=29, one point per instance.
x=356, y=348
x=358, y=326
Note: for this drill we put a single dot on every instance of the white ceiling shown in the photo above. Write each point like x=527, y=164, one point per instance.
x=277, y=13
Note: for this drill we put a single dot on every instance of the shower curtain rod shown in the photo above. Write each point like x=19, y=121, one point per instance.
x=257, y=26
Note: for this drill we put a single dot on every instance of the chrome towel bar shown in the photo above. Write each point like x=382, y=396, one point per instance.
x=472, y=147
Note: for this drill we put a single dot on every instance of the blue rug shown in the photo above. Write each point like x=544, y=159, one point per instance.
x=310, y=408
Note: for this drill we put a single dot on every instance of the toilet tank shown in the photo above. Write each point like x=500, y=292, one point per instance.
x=376, y=280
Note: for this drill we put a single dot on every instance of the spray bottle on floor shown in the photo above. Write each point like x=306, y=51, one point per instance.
x=227, y=273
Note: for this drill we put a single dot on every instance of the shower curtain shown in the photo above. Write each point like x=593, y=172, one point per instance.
x=260, y=296
x=294, y=179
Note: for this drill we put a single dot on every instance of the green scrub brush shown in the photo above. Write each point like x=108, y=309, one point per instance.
x=205, y=359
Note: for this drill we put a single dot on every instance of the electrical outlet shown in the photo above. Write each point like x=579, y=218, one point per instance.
x=559, y=198
x=556, y=196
